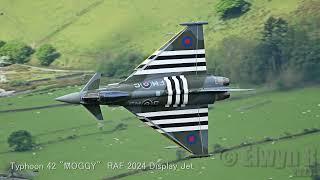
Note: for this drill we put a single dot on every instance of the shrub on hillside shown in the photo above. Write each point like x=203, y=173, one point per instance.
x=21, y=141
x=122, y=65
x=18, y=52
x=2, y=43
x=46, y=54
x=18, y=82
x=232, y=8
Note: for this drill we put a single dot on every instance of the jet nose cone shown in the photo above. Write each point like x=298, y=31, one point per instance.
x=73, y=98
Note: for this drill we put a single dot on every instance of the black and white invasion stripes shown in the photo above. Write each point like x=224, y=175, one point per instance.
x=177, y=88
x=178, y=120
x=173, y=62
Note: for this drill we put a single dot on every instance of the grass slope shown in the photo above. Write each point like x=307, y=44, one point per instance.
x=86, y=31
x=231, y=123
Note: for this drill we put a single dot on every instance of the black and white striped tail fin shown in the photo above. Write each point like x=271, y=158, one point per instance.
x=183, y=54
x=187, y=126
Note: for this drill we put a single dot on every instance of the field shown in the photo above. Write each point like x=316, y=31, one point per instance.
x=87, y=32
x=265, y=134
x=69, y=133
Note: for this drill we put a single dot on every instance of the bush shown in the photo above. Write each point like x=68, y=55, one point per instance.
x=18, y=52
x=2, y=43
x=303, y=53
x=289, y=79
x=21, y=141
x=238, y=59
x=16, y=83
x=122, y=65
x=46, y=54
x=232, y=8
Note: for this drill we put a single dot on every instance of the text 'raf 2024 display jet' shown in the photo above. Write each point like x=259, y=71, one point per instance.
x=169, y=91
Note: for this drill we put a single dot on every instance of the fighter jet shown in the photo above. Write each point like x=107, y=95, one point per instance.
x=170, y=91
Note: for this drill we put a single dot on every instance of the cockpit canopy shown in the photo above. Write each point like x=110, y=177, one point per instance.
x=113, y=94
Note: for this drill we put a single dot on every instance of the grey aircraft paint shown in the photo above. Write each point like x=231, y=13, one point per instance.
x=170, y=91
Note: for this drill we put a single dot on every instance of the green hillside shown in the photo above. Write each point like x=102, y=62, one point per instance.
x=278, y=117
x=71, y=134
x=87, y=32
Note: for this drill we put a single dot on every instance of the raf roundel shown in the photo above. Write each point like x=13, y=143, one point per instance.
x=187, y=41
x=146, y=84
x=191, y=139
x=147, y=102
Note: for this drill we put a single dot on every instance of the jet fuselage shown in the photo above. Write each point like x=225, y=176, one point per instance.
x=155, y=92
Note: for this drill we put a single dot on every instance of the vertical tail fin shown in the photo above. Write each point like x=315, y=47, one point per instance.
x=190, y=38
x=93, y=83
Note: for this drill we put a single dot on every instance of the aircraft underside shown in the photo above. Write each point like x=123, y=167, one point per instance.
x=170, y=91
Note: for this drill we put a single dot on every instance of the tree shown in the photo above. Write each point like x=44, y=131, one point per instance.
x=18, y=52
x=46, y=54
x=121, y=65
x=2, y=43
x=303, y=52
x=232, y=8
x=21, y=141
x=239, y=59
x=274, y=36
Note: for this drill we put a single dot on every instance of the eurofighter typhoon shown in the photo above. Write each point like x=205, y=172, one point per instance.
x=170, y=91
